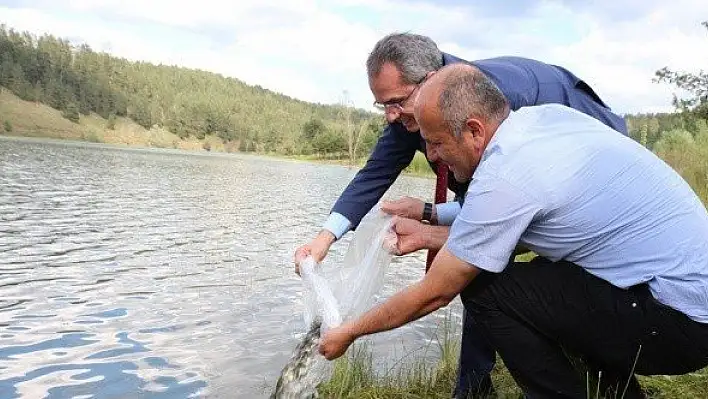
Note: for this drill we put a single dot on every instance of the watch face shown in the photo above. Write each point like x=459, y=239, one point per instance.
x=427, y=211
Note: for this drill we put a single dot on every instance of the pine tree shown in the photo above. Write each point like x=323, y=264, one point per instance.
x=71, y=112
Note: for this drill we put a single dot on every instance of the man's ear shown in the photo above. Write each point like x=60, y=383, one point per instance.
x=476, y=127
x=477, y=131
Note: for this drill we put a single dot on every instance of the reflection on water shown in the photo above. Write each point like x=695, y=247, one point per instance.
x=155, y=273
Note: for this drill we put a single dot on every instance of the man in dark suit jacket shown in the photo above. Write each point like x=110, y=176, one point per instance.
x=396, y=67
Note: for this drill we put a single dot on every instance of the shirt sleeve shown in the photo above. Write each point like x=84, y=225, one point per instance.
x=337, y=224
x=447, y=212
x=492, y=220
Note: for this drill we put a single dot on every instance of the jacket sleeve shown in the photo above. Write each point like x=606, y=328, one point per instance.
x=393, y=152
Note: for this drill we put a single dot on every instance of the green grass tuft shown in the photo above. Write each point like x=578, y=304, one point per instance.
x=354, y=376
x=419, y=166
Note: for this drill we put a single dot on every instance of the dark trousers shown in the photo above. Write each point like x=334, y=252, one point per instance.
x=477, y=358
x=541, y=315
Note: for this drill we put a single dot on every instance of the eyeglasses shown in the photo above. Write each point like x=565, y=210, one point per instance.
x=396, y=105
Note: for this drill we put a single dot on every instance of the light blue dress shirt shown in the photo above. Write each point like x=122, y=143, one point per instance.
x=567, y=187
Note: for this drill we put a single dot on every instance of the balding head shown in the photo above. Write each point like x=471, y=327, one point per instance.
x=458, y=110
x=458, y=92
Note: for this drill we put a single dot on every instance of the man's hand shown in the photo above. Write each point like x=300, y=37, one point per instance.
x=317, y=248
x=447, y=277
x=407, y=207
x=412, y=235
x=334, y=342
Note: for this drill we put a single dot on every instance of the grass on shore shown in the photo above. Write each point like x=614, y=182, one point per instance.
x=418, y=167
x=354, y=376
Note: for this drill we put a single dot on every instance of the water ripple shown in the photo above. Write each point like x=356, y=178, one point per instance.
x=160, y=273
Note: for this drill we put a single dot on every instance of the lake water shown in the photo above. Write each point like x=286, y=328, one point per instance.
x=148, y=273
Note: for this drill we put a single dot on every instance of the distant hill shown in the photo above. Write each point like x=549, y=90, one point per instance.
x=79, y=82
x=27, y=118
x=62, y=90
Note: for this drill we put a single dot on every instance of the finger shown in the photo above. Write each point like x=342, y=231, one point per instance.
x=301, y=254
x=405, y=247
x=395, y=220
x=388, y=207
x=402, y=225
x=397, y=250
x=389, y=243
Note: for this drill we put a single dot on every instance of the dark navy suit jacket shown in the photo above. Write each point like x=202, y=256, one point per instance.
x=523, y=81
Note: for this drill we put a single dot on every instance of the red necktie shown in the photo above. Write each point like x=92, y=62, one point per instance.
x=440, y=197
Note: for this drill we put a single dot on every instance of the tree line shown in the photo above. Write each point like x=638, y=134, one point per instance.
x=187, y=102
x=680, y=138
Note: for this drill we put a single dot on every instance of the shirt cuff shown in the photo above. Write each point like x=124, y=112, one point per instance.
x=337, y=224
x=447, y=212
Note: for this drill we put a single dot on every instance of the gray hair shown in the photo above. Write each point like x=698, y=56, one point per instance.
x=467, y=92
x=413, y=55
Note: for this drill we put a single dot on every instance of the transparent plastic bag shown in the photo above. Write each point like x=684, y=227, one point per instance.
x=319, y=298
x=343, y=292
x=336, y=295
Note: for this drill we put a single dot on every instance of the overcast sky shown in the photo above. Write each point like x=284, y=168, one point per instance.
x=314, y=50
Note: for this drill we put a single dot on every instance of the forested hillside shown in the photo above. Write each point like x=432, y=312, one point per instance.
x=195, y=104
x=187, y=102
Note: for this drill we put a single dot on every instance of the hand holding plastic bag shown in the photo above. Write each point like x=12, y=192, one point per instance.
x=345, y=291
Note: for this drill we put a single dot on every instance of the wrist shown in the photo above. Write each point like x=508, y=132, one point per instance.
x=326, y=237
x=352, y=331
x=428, y=210
x=427, y=236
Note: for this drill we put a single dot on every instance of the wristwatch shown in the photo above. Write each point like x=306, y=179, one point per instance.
x=427, y=212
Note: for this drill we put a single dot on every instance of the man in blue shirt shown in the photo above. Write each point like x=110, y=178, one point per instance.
x=396, y=67
x=621, y=280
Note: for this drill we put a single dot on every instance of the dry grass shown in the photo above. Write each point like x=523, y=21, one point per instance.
x=31, y=119
x=37, y=120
